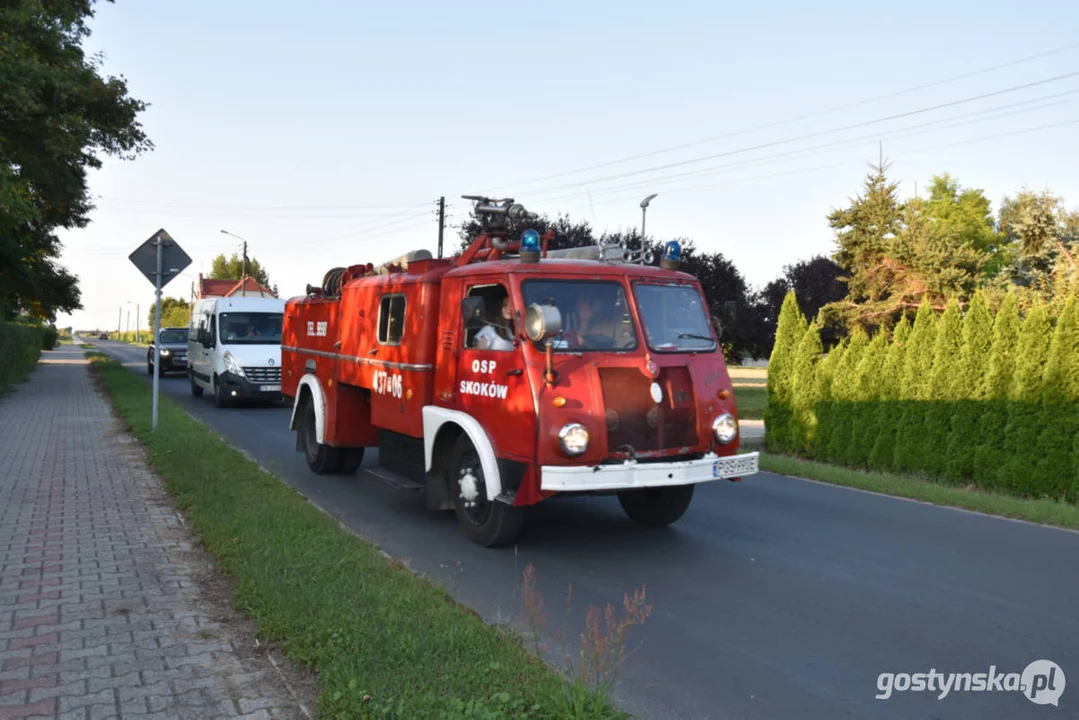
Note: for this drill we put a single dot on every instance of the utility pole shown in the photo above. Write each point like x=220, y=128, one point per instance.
x=136, y=323
x=441, y=221
x=120, y=320
x=243, y=277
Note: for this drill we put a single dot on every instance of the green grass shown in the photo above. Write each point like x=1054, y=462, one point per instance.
x=750, y=399
x=86, y=346
x=1046, y=512
x=369, y=627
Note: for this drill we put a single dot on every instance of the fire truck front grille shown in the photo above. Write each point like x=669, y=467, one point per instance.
x=263, y=375
x=635, y=419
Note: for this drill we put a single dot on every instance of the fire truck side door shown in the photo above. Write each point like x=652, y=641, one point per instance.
x=491, y=382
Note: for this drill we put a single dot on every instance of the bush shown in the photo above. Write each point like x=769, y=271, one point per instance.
x=50, y=338
x=20, y=348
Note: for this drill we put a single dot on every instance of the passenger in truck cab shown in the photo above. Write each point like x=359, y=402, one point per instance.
x=497, y=334
x=595, y=326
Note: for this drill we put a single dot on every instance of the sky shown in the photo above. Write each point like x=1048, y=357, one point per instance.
x=324, y=132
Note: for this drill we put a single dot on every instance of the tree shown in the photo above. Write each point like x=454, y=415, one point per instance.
x=837, y=432
x=963, y=217
x=804, y=390
x=1024, y=401
x=970, y=388
x=865, y=232
x=865, y=401
x=940, y=391
x=989, y=455
x=175, y=312
x=882, y=455
x=1060, y=409
x=778, y=401
x=232, y=268
x=58, y=116
x=913, y=391
x=815, y=282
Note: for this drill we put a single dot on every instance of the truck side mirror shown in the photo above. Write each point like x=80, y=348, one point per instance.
x=472, y=310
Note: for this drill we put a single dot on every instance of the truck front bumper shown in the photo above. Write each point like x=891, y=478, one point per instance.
x=631, y=474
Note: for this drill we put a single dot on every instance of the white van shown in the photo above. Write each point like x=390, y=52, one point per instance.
x=234, y=348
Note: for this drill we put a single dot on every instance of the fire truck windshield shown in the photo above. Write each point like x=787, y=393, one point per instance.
x=673, y=317
x=595, y=314
x=250, y=328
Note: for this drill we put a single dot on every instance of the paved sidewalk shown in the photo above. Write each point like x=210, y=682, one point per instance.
x=106, y=610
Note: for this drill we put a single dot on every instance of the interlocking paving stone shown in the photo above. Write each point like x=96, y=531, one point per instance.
x=98, y=616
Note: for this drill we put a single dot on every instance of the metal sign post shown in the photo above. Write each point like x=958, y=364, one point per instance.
x=160, y=259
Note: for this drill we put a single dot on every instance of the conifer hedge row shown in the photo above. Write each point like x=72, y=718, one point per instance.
x=967, y=396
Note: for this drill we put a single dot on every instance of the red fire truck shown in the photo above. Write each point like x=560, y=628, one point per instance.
x=509, y=373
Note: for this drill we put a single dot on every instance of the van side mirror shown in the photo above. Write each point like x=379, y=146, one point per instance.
x=472, y=311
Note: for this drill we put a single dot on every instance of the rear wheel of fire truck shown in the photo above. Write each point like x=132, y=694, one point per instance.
x=656, y=506
x=482, y=520
x=322, y=459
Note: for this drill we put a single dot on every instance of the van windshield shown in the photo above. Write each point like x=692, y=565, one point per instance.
x=250, y=328
x=595, y=314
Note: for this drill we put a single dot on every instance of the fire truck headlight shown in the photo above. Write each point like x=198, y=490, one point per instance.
x=542, y=321
x=725, y=428
x=573, y=438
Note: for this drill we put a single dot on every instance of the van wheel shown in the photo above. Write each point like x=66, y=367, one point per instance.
x=656, y=506
x=196, y=389
x=219, y=395
x=322, y=459
x=482, y=520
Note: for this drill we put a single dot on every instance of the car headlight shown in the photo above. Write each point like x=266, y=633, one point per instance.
x=573, y=438
x=164, y=352
x=725, y=428
x=231, y=365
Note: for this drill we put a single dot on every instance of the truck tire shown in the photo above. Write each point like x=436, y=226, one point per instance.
x=322, y=459
x=196, y=389
x=482, y=520
x=350, y=459
x=656, y=506
x=219, y=395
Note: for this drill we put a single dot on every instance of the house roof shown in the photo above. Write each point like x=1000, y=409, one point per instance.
x=209, y=287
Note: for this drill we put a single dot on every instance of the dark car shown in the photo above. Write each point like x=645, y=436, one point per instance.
x=103, y=336
x=173, y=351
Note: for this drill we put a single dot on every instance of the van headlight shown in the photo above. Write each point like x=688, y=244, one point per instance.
x=573, y=438
x=231, y=365
x=725, y=428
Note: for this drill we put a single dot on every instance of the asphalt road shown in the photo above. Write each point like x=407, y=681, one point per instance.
x=773, y=598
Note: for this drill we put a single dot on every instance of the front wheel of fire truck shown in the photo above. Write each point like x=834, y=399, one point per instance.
x=658, y=505
x=322, y=459
x=483, y=520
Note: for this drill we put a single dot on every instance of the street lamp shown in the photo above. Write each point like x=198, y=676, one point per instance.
x=243, y=277
x=644, y=210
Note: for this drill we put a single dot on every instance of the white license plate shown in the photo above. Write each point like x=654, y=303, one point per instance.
x=734, y=466
x=269, y=388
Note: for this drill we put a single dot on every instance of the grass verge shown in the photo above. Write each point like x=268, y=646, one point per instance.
x=385, y=643
x=1047, y=512
x=751, y=400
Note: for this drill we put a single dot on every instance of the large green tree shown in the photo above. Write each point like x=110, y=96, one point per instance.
x=232, y=268
x=58, y=116
x=175, y=312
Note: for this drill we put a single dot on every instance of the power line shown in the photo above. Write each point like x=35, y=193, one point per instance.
x=787, y=141
x=805, y=116
x=984, y=115
x=738, y=181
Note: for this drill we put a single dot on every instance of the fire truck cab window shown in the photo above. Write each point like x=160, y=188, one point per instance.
x=391, y=319
x=497, y=332
x=595, y=314
x=674, y=318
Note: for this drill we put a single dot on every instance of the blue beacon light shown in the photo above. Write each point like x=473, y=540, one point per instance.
x=530, y=246
x=672, y=256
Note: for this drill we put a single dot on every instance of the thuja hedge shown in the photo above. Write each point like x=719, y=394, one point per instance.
x=967, y=396
x=20, y=349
